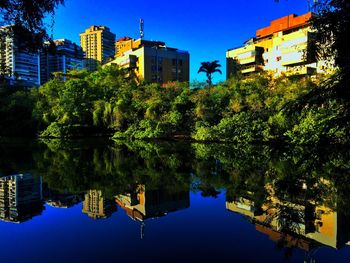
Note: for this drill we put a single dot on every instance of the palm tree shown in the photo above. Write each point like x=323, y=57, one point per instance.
x=209, y=68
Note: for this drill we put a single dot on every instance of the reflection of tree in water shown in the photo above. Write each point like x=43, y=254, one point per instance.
x=293, y=195
x=281, y=189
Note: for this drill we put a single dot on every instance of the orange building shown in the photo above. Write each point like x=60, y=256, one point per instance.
x=285, y=23
x=285, y=46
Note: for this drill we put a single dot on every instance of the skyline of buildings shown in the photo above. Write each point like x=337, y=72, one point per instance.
x=299, y=223
x=285, y=46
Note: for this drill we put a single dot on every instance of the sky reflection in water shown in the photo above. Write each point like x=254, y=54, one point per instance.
x=97, y=201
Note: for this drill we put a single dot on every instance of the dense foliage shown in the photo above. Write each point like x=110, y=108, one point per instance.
x=107, y=102
x=300, y=176
x=258, y=108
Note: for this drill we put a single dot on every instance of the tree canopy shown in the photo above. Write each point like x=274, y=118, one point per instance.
x=27, y=18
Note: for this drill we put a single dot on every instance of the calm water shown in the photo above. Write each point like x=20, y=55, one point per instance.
x=103, y=201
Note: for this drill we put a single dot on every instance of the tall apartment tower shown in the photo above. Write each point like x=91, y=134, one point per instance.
x=62, y=57
x=17, y=65
x=98, y=44
x=20, y=197
x=96, y=206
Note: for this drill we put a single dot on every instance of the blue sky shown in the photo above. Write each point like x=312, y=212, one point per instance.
x=205, y=28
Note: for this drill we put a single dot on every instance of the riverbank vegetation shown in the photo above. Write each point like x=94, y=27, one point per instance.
x=258, y=108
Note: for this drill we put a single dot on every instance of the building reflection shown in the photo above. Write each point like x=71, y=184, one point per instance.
x=144, y=203
x=20, y=198
x=62, y=200
x=97, y=206
x=298, y=224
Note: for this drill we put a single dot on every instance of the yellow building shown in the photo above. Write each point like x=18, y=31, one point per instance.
x=98, y=44
x=96, y=206
x=150, y=203
x=152, y=61
x=308, y=225
x=247, y=59
x=283, y=47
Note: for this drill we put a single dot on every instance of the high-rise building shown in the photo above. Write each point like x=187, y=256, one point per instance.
x=97, y=206
x=20, y=197
x=17, y=65
x=152, y=61
x=283, y=47
x=62, y=56
x=98, y=44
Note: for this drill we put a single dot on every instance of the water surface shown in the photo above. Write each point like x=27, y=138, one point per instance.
x=104, y=201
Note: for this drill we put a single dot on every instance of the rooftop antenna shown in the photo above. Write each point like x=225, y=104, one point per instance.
x=142, y=32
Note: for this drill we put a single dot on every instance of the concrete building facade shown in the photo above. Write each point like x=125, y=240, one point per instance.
x=18, y=65
x=98, y=43
x=283, y=47
x=152, y=61
x=20, y=198
x=97, y=206
x=64, y=57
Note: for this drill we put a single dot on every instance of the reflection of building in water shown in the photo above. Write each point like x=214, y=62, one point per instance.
x=96, y=206
x=296, y=225
x=20, y=197
x=149, y=203
x=62, y=200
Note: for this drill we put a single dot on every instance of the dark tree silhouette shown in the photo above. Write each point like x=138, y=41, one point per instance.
x=210, y=68
x=27, y=17
x=332, y=26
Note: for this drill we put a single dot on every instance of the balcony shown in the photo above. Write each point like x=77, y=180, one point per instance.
x=300, y=70
x=293, y=58
x=251, y=68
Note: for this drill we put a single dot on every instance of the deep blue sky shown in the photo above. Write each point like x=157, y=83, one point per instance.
x=205, y=28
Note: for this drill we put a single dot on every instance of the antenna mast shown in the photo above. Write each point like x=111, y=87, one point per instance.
x=142, y=32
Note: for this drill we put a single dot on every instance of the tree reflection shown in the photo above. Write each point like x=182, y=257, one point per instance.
x=298, y=197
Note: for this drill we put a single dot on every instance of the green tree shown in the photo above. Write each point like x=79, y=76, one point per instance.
x=209, y=68
x=27, y=17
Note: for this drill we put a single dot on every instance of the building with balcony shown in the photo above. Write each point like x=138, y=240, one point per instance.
x=18, y=65
x=283, y=47
x=98, y=43
x=299, y=223
x=61, y=56
x=20, y=198
x=152, y=61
